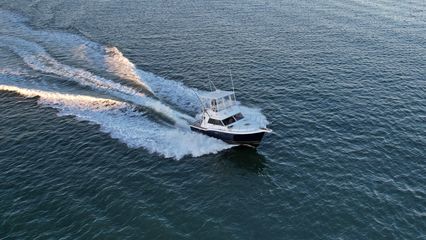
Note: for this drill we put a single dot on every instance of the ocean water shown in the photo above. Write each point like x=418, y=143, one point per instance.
x=95, y=97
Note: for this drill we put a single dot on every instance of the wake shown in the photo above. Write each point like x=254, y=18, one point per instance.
x=115, y=113
x=38, y=59
x=108, y=59
x=123, y=122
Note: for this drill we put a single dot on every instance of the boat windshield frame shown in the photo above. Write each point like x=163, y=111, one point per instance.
x=232, y=119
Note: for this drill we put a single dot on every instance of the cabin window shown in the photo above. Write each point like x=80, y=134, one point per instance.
x=228, y=121
x=214, y=105
x=238, y=116
x=232, y=119
x=220, y=103
x=215, y=122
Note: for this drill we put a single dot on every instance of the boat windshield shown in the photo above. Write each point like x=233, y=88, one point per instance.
x=232, y=119
x=215, y=122
x=238, y=116
x=228, y=121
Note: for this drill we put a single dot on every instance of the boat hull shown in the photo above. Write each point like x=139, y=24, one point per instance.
x=249, y=139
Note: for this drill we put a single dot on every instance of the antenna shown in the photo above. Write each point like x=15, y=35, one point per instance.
x=210, y=85
x=232, y=82
x=211, y=82
x=201, y=102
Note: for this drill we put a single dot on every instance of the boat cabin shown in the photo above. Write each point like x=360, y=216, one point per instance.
x=219, y=106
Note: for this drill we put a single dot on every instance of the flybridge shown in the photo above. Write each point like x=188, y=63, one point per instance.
x=218, y=100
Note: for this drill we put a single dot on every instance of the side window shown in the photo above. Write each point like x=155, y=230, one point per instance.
x=228, y=121
x=214, y=105
x=238, y=116
x=220, y=103
x=228, y=100
x=215, y=122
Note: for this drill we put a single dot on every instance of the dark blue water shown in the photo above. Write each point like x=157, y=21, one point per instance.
x=87, y=151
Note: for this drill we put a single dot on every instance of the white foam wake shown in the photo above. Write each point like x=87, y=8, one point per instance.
x=172, y=91
x=122, y=67
x=114, y=117
x=13, y=72
x=109, y=59
x=38, y=59
x=123, y=123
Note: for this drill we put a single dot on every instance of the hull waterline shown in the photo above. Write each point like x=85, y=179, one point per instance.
x=248, y=139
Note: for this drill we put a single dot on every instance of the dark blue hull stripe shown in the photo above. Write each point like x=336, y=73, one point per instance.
x=252, y=139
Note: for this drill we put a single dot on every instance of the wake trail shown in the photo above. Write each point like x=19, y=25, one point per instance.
x=121, y=121
x=115, y=116
x=38, y=59
x=106, y=58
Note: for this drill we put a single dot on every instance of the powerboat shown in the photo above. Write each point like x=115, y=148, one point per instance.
x=222, y=117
